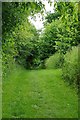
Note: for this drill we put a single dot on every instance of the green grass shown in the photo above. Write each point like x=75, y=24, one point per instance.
x=38, y=94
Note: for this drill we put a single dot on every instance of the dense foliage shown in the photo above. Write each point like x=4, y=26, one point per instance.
x=55, y=61
x=71, y=66
x=26, y=38
x=63, y=27
x=23, y=44
x=14, y=14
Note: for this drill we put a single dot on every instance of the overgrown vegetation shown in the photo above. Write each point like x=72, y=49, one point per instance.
x=18, y=33
x=22, y=42
x=56, y=48
x=71, y=66
x=55, y=61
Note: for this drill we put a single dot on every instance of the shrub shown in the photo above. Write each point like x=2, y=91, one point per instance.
x=71, y=66
x=54, y=61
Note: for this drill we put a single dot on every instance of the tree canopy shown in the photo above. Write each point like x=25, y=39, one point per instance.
x=23, y=43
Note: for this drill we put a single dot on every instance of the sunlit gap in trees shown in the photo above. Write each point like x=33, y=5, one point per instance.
x=39, y=18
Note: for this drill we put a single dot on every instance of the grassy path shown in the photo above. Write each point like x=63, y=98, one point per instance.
x=38, y=94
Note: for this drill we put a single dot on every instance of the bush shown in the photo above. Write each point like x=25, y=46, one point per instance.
x=71, y=66
x=55, y=61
